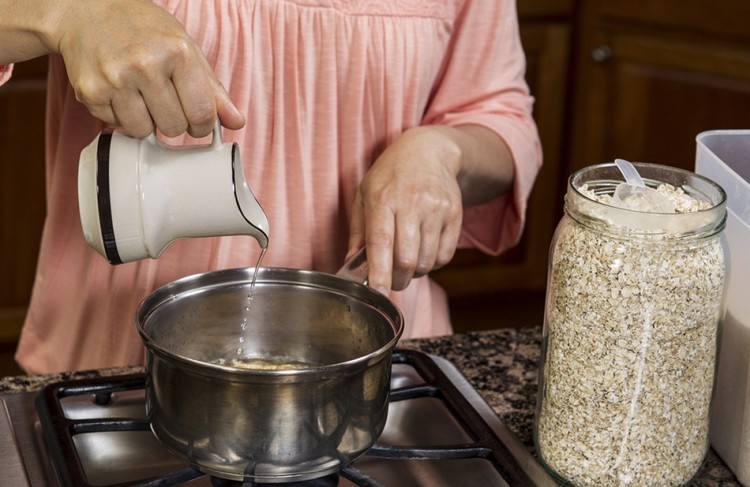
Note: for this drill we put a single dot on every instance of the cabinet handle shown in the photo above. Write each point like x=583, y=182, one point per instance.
x=601, y=54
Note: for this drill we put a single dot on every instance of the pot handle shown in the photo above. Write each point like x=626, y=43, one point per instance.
x=355, y=269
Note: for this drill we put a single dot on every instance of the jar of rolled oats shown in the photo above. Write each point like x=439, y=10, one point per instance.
x=633, y=305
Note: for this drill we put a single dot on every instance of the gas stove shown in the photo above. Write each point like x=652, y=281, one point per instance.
x=94, y=432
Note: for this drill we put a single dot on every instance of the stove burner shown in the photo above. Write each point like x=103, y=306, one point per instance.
x=59, y=432
x=327, y=481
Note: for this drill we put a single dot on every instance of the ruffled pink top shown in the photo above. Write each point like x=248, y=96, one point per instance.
x=325, y=85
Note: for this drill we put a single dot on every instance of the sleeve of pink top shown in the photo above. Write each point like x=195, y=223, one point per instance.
x=5, y=71
x=483, y=83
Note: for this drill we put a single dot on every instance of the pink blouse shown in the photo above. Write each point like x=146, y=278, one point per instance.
x=325, y=85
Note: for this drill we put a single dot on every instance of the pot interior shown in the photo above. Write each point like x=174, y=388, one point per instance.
x=291, y=320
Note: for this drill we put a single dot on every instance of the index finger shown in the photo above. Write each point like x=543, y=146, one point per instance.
x=379, y=239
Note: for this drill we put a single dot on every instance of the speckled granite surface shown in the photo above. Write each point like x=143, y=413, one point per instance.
x=501, y=365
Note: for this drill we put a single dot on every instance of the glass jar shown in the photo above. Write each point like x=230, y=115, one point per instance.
x=632, y=311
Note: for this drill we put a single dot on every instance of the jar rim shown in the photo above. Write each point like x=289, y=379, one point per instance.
x=604, y=177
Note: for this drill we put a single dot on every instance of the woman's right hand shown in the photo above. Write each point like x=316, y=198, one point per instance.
x=134, y=66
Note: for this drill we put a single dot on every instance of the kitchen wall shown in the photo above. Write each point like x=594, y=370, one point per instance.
x=637, y=79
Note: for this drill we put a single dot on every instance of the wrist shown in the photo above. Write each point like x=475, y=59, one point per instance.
x=27, y=28
x=445, y=143
x=55, y=22
x=485, y=167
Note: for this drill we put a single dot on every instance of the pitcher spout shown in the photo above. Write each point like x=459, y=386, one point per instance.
x=248, y=205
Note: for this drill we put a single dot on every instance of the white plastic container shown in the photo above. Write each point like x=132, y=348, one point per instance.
x=724, y=157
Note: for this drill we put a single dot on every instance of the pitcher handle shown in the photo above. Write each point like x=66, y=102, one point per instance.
x=217, y=143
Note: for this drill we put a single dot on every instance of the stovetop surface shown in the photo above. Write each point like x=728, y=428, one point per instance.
x=122, y=457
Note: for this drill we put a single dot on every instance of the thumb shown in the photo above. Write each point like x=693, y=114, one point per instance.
x=227, y=111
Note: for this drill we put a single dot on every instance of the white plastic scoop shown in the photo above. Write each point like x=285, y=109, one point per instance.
x=633, y=194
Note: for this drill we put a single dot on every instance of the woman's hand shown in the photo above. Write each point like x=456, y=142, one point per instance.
x=409, y=207
x=133, y=65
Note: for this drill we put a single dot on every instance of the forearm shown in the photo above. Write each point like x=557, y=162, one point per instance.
x=487, y=169
x=26, y=29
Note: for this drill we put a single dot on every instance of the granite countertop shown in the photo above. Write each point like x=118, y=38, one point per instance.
x=500, y=364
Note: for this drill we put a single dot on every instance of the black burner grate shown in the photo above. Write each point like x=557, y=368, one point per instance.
x=327, y=481
x=59, y=431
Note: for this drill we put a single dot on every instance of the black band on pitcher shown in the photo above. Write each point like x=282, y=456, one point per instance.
x=103, y=199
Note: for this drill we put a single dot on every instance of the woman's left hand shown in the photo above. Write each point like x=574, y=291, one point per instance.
x=409, y=207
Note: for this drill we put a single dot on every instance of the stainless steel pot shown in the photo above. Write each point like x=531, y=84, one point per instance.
x=315, y=394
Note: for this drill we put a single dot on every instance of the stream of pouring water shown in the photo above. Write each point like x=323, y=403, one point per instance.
x=248, y=301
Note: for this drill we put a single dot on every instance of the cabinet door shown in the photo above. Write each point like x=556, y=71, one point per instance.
x=646, y=88
x=474, y=280
x=22, y=200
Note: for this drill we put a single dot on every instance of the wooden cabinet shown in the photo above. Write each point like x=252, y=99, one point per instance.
x=509, y=290
x=650, y=75
x=22, y=201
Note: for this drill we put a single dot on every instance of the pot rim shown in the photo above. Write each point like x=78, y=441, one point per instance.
x=268, y=275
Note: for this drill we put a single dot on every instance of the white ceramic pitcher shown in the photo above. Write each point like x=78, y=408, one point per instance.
x=136, y=196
